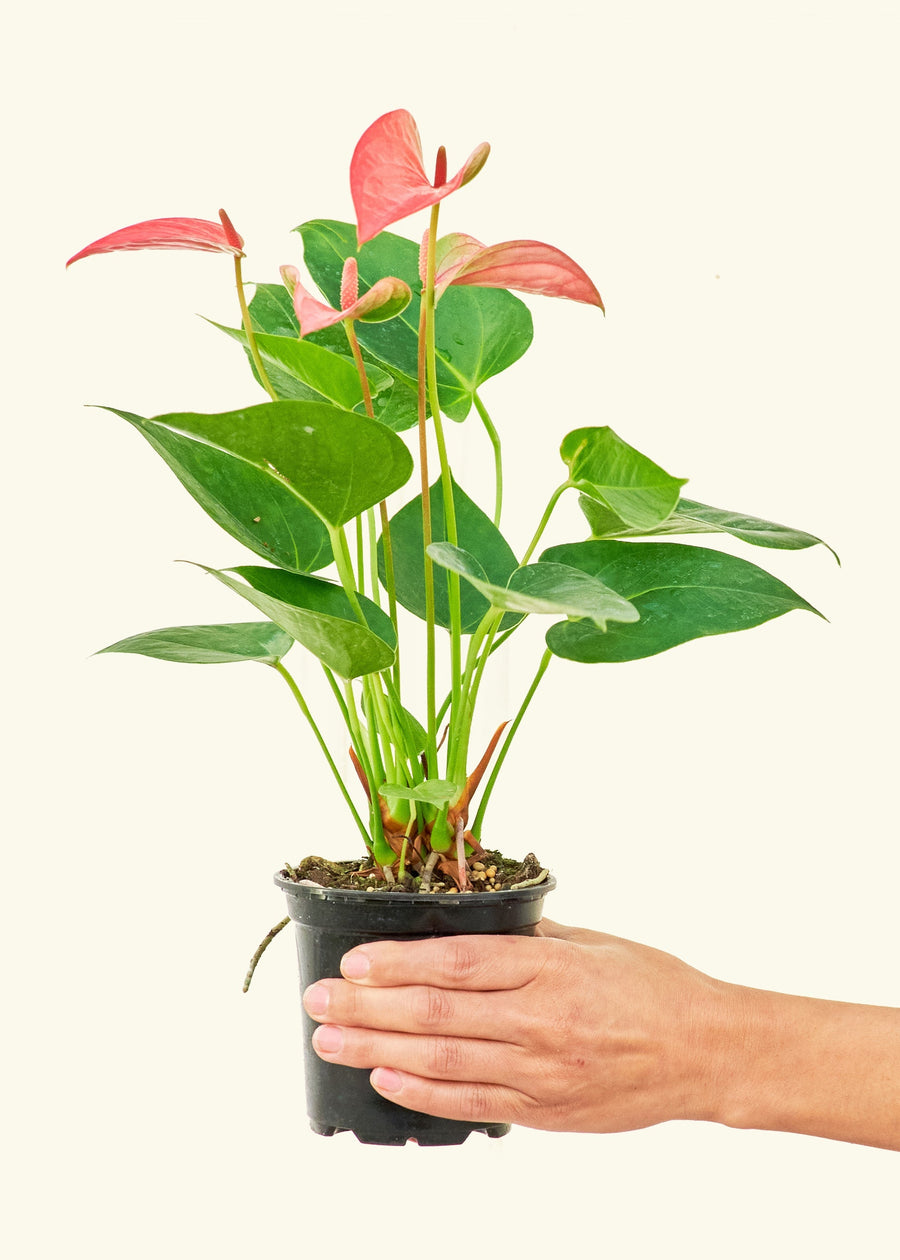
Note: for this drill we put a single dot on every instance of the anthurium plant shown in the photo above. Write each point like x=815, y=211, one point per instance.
x=404, y=336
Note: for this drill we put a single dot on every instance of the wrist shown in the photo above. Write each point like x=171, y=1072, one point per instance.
x=806, y=1065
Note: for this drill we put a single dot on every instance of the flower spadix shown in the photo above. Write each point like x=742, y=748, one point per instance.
x=387, y=174
x=528, y=266
x=385, y=299
x=198, y=234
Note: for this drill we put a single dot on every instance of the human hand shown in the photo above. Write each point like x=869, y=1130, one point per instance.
x=570, y=1030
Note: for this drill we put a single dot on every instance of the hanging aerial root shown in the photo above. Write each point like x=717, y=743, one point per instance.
x=263, y=946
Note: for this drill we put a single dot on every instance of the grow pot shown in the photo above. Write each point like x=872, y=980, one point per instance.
x=330, y=921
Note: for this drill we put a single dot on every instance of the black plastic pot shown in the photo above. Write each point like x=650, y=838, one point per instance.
x=328, y=922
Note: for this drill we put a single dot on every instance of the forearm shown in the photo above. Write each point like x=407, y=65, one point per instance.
x=803, y=1065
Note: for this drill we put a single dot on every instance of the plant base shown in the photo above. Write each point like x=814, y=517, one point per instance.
x=330, y=921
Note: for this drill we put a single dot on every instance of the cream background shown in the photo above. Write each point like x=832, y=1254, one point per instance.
x=727, y=174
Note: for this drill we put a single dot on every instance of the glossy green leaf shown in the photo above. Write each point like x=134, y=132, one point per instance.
x=272, y=311
x=432, y=791
x=330, y=376
x=478, y=332
x=477, y=535
x=397, y=405
x=319, y=615
x=210, y=645
x=250, y=504
x=681, y=592
x=691, y=517
x=335, y=463
x=605, y=468
x=554, y=589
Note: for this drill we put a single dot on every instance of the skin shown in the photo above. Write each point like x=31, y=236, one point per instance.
x=575, y=1031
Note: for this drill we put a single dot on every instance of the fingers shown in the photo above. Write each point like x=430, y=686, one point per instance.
x=416, y=1009
x=478, y=963
x=479, y=1103
x=438, y=1058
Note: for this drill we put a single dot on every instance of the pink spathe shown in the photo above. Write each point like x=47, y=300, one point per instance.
x=197, y=234
x=528, y=266
x=387, y=174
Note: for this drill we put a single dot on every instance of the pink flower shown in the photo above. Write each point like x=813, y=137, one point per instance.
x=201, y=234
x=384, y=300
x=529, y=266
x=387, y=174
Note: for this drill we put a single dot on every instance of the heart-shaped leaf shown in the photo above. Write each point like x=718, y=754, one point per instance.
x=319, y=615
x=691, y=517
x=681, y=592
x=250, y=504
x=605, y=468
x=210, y=645
x=478, y=332
x=544, y=588
x=477, y=535
x=335, y=463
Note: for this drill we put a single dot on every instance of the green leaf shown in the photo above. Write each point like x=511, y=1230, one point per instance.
x=605, y=468
x=319, y=615
x=335, y=463
x=681, y=592
x=331, y=377
x=691, y=517
x=272, y=311
x=477, y=535
x=432, y=791
x=210, y=645
x=478, y=332
x=250, y=504
x=397, y=405
x=554, y=589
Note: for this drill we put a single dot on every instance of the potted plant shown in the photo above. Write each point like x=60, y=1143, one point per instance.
x=308, y=481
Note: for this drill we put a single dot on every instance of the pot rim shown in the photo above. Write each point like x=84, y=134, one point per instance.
x=321, y=892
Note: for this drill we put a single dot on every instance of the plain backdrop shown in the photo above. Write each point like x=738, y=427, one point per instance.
x=727, y=174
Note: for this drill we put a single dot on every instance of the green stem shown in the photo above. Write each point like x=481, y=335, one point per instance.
x=363, y=753
x=430, y=650
x=360, y=556
x=498, y=456
x=345, y=570
x=304, y=708
x=501, y=756
x=350, y=330
x=400, y=718
x=475, y=664
x=453, y=587
x=251, y=335
x=373, y=558
x=389, y=581
x=374, y=729
x=554, y=499
x=497, y=643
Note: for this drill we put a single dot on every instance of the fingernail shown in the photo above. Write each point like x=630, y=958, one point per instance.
x=354, y=966
x=386, y=1079
x=328, y=1039
x=315, y=999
